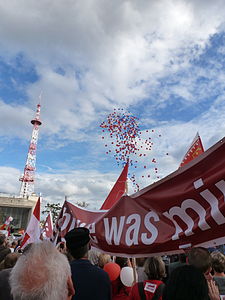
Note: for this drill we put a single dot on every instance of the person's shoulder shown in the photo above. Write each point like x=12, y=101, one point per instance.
x=5, y=272
x=152, y=284
x=85, y=263
x=4, y=249
x=134, y=290
x=4, y=277
x=100, y=271
x=219, y=279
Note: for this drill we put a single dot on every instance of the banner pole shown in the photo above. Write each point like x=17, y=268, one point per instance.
x=133, y=259
x=134, y=269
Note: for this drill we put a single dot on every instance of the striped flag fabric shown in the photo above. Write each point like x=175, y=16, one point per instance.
x=32, y=233
x=47, y=231
x=7, y=223
x=194, y=151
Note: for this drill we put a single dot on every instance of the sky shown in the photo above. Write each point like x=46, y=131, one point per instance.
x=162, y=61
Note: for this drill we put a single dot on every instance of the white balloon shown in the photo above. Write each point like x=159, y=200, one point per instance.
x=127, y=276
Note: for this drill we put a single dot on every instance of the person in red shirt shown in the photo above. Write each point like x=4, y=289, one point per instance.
x=152, y=288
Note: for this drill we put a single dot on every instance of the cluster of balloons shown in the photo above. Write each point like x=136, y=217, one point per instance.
x=123, y=129
x=126, y=142
x=114, y=271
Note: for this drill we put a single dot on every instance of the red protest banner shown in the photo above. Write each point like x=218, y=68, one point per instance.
x=185, y=209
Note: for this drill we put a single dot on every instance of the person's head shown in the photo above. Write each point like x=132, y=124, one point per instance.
x=77, y=242
x=14, y=244
x=218, y=262
x=103, y=259
x=200, y=258
x=140, y=261
x=182, y=258
x=41, y=273
x=121, y=261
x=2, y=239
x=154, y=268
x=93, y=256
x=186, y=283
x=10, y=260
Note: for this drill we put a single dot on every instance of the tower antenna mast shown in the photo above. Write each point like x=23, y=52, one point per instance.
x=27, y=185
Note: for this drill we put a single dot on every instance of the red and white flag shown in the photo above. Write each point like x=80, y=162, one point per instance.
x=194, y=151
x=118, y=190
x=7, y=223
x=47, y=231
x=32, y=233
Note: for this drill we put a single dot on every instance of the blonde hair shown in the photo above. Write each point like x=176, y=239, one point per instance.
x=103, y=259
x=154, y=268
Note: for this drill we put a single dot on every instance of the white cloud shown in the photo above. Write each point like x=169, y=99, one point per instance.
x=89, y=185
x=15, y=120
x=93, y=186
x=93, y=56
x=9, y=181
x=118, y=50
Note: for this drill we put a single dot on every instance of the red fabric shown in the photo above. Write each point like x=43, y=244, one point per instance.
x=48, y=226
x=33, y=229
x=194, y=151
x=134, y=293
x=183, y=210
x=25, y=239
x=123, y=294
x=37, y=209
x=3, y=227
x=117, y=191
x=116, y=286
x=7, y=223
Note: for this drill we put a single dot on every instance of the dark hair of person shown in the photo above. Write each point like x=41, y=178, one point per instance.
x=10, y=260
x=14, y=243
x=140, y=261
x=218, y=261
x=121, y=261
x=200, y=258
x=80, y=252
x=186, y=283
x=155, y=268
x=182, y=258
x=2, y=239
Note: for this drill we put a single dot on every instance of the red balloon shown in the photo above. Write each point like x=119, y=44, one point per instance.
x=113, y=270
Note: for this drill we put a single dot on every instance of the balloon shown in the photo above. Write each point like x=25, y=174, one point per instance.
x=113, y=270
x=128, y=141
x=127, y=276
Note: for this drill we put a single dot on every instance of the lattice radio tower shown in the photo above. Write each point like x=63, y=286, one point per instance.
x=27, y=185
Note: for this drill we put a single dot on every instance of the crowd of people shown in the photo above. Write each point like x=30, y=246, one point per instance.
x=71, y=270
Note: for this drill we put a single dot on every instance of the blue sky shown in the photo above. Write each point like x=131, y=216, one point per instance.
x=163, y=61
